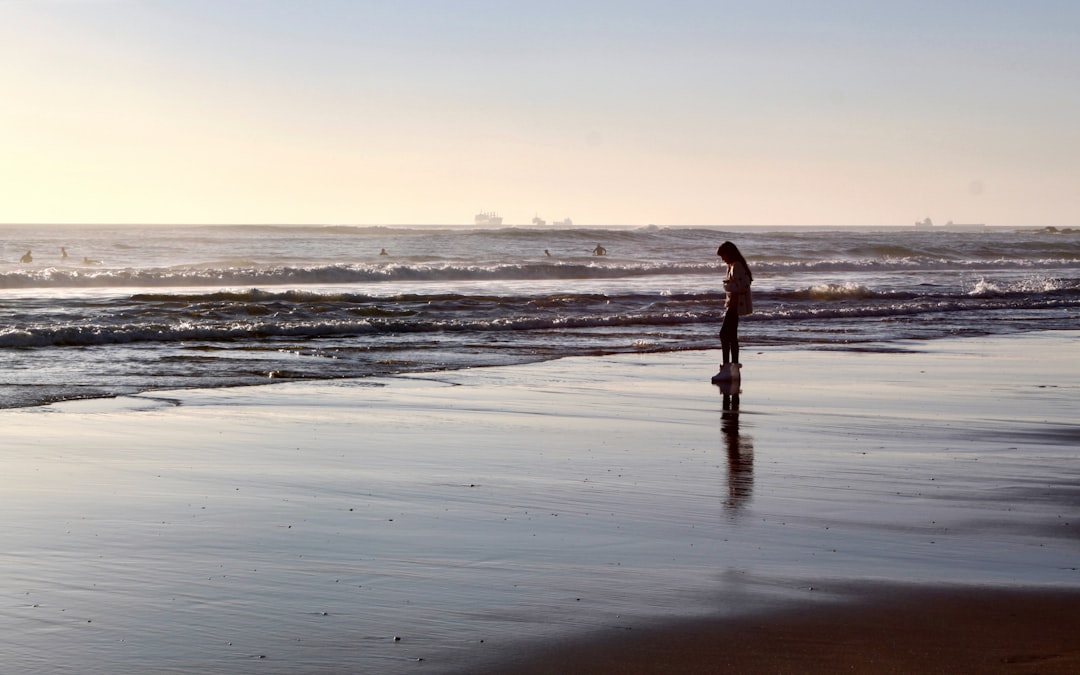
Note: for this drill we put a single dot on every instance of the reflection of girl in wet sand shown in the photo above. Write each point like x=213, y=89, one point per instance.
x=740, y=449
x=737, y=286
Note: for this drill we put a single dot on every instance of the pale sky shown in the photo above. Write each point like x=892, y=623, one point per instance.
x=830, y=112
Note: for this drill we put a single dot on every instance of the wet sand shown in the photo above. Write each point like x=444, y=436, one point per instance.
x=615, y=514
x=880, y=629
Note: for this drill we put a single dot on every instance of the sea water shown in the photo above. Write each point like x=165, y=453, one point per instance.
x=135, y=309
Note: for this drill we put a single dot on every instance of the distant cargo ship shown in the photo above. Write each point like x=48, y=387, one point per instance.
x=927, y=224
x=488, y=218
x=539, y=222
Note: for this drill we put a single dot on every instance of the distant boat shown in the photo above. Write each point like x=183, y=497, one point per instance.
x=927, y=224
x=539, y=222
x=488, y=218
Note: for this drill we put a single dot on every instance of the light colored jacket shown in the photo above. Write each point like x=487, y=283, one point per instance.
x=737, y=285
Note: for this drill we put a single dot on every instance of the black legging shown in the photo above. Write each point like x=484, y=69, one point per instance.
x=729, y=336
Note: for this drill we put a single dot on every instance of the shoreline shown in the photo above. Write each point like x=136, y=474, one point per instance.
x=453, y=521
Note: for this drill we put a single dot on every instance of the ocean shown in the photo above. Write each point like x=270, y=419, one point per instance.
x=133, y=310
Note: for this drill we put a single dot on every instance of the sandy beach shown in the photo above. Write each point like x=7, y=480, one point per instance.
x=894, y=509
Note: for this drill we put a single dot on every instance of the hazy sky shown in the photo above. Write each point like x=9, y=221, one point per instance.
x=608, y=112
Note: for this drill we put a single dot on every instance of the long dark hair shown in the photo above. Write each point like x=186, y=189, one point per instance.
x=729, y=251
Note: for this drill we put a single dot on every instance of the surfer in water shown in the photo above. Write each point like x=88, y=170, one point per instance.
x=737, y=286
x=599, y=250
x=26, y=258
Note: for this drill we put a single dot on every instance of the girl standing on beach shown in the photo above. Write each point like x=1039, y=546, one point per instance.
x=737, y=286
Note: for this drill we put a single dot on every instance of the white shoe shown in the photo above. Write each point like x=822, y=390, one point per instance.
x=728, y=371
x=724, y=375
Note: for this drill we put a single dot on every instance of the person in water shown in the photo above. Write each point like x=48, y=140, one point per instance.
x=599, y=250
x=26, y=258
x=738, y=303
